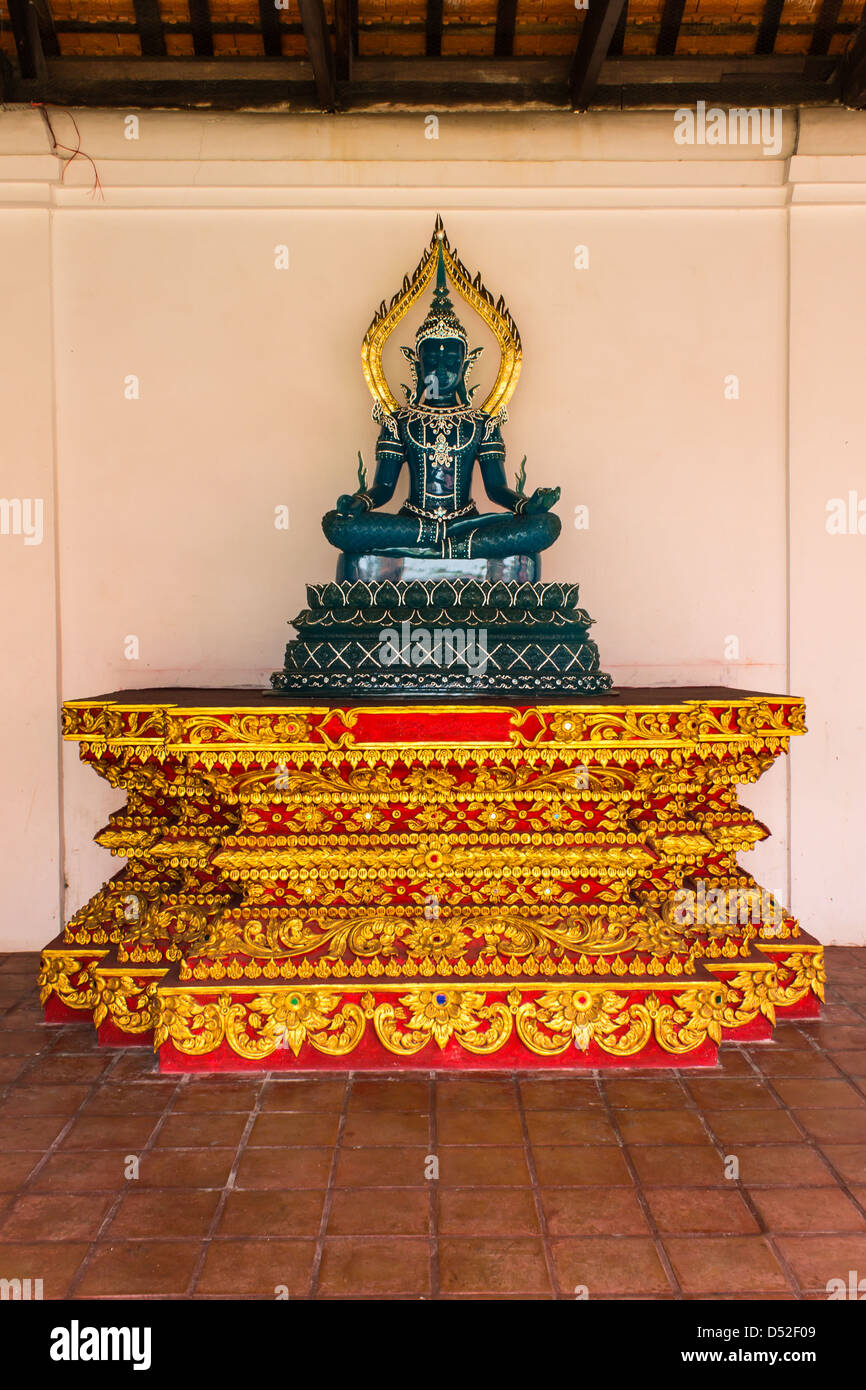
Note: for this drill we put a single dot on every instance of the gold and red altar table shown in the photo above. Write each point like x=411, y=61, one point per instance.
x=356, y=886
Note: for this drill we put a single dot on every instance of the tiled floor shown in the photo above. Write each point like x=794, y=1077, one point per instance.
x=322, y=1187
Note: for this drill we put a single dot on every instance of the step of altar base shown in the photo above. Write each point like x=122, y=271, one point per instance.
x=508, y=1016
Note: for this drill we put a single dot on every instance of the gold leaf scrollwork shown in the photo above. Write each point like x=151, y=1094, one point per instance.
x=441, y=1014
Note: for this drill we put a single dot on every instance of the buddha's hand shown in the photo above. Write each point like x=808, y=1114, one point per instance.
x=542, y=499
x=350, y=506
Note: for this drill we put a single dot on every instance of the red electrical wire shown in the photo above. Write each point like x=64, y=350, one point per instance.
x=97, y=190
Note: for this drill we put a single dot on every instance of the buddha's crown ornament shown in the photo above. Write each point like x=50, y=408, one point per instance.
x=441, y=320
x=439, y=265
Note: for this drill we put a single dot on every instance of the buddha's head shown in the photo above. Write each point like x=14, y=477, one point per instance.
x=443, y=361
x=441, y=346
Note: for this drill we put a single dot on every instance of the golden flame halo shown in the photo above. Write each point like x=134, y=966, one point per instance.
x=473, y=291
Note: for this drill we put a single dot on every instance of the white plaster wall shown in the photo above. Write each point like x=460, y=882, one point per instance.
x=251, y=395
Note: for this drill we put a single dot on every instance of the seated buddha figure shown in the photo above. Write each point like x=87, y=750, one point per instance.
x=439, y=436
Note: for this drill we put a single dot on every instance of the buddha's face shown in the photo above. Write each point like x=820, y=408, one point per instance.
x=442, y=362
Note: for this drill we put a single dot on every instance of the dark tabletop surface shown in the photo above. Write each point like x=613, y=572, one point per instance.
x=254, y=697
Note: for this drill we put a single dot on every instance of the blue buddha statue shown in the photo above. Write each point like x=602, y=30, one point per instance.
x=439, y=436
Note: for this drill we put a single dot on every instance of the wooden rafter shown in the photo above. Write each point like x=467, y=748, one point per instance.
x=271, y=36
x=852, y=69
x=433, y=43
x=769, y=26
x=669, y=29
x=28, y=40
x=200, y=23
x=318, y=42
x=825, y=26
x=617, y=43
x=598, y=29
x=148, y=22
x=344, y=39
x=506, y=19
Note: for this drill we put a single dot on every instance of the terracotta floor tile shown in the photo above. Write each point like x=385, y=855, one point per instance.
x=382, y=1211
x=847, y=1159
x=593, y=1211
x=315, y=1094
x=284, y=1169
x=793, y=1035
x=280, y=1128
x=374, y=1128
x=62, y=1071
x=133, y=1098
x=257, y=1268
x=31, y=1131
x=48, y=1217
x=134, y=1064
x=22, y=1042
x=127, y=1132
x=580, y=1166
x=753, y=1127
x=156, y=1212
x=193, y=1130
x=636, y=1093
x=186, y=1167
x=682, y=1210
x=852, y=1064
x=83, y=1172
x=11, y=1068
x=820, y=1094
x=725, y=1093
x=715, y=1264
x=817, y=1259
x=388, y=1166
x=570, y=1127
x=55, y=1264
x=136, y=1268
x=782, y=1165
x=385, y=1094
x=42, y=1100
x=364, y=1265
x=203, y=1093
x=840, y=1038
x=468, y=1166
x=482, y=1093
x=285, y=1214
x=501, y=1211
x=661, y=1127
x=802, y=1065
x=479, y=1127
x=808, y=1209
x=733, y=1063
x=491, y=1265
x=686, y=1165
x=609, y=1264
x=73, y=1041
x=834, y=1126
x=559, y=1093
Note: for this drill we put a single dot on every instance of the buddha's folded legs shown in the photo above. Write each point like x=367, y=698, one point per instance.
x=374, y=532
x=497, y=534
x=489, y=536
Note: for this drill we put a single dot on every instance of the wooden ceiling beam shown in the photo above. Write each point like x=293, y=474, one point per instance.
x=318, y=42
x=599, y=25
